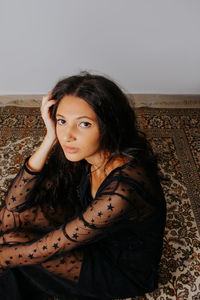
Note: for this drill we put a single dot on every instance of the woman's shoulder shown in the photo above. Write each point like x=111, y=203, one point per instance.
x=124, y=163
x=130, y=173
x=119, y=161
x=124, y=169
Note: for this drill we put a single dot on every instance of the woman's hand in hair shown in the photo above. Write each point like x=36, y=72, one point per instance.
x=47, y=102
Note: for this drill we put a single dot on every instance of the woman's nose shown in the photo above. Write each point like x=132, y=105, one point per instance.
x=69, y=136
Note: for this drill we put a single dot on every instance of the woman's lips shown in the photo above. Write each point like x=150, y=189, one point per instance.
x=70, y=150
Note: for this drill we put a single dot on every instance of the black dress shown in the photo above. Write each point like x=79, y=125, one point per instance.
x=110, y=250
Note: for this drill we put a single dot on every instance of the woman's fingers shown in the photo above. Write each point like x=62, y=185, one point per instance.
x=47, y=102
x=46, y=106
x=45, y=99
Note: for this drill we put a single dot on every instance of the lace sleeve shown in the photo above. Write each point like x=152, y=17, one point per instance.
x=113, y=204
x=21, y=193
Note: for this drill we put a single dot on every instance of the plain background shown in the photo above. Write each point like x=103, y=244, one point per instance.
x=146, y=46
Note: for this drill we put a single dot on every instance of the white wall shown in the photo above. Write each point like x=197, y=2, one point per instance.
x=148, y=46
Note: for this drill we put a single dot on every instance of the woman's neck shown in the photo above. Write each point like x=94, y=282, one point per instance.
x=102, y=169
x=97, y=175
x=98, y=161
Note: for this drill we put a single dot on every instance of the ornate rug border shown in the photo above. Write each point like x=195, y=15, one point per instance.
x=188, y=167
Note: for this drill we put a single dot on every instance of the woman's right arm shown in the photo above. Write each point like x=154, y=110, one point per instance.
x=22, y=188
x=38, y=159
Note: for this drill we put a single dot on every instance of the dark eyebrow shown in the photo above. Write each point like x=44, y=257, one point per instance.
x=80, y=117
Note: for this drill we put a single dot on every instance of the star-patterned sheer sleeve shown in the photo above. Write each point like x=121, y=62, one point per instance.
x=23, y=189
x=119, y=199
x=21, y=196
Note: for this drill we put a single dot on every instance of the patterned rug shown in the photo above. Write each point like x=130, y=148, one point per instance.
x=175, y=135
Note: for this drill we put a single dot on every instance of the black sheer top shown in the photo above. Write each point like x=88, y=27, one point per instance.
x=126, y=218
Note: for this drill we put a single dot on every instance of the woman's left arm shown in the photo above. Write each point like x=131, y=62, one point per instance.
x=106, y=209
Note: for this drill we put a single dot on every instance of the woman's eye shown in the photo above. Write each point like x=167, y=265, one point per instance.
x=60, y=121
x=85, y=124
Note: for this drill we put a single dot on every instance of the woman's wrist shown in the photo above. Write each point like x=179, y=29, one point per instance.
x=49, y=139
x=37, y=161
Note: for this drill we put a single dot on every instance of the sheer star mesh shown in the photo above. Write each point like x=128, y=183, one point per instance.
x=31, y=237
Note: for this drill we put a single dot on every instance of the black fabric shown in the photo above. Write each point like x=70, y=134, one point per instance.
x=110, y=250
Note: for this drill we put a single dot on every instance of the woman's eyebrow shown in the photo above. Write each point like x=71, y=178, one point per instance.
x=80, y=117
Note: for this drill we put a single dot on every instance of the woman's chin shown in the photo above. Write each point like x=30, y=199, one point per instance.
x=72, y=158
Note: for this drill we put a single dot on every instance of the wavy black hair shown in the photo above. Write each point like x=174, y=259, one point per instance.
x=118, y=132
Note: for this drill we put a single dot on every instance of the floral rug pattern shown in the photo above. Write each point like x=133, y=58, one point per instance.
x=175, y=136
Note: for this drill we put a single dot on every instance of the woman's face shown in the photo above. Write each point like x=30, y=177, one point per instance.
x=77, y=129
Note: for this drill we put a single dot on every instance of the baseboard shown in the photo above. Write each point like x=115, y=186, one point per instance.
x=137, y=100
x=165, y=101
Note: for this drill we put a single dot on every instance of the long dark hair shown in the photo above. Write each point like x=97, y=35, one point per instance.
x=118, y=132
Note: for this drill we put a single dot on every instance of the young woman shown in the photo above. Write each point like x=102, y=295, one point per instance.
x=85, y=215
